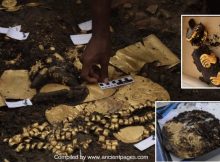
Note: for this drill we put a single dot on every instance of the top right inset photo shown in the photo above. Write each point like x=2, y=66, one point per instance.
x=200, y=51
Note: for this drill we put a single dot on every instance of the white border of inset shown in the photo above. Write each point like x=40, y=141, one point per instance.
x=183, y=15
x=156, y=120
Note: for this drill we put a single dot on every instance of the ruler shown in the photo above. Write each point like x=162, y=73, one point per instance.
x=117, y=82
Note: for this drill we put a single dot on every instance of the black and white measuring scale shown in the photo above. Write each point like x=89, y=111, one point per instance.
x=117, y=82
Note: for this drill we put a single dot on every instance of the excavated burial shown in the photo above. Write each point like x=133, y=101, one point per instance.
x=191, y=134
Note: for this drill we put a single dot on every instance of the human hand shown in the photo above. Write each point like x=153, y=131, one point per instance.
x=97, y=52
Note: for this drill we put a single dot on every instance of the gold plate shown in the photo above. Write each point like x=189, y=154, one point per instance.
x=132, y=58
x=9, y=3
x=15, y=84
x=106, y=105
x=2, y=101
x=59, y=113
x=13, y=9
x=33, y=4
x=130, y=134
x=96, y=93
x=53, y=88
x=141, y=91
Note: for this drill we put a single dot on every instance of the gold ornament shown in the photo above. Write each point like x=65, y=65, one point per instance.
x=215, y=80
x=206, y=60
x=9, y=3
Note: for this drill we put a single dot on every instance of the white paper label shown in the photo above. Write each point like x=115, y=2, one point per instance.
x=81, y=38
x=14, y=32
x=86, y=26
x=17, y=104
x=116, y=83
x=5, y=30
x=17, y=34
x=143, y=145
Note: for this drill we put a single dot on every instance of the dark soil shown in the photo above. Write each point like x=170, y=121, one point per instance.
x=51, y=25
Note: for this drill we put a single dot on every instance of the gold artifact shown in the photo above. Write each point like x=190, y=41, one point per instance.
x=15, y=84
x=9, y=3
x=132, y=58
x=216, y=80
x=207, y=60
x=53, y=88
x=130, y=134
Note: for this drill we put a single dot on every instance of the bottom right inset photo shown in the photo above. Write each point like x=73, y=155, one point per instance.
x=188, y=131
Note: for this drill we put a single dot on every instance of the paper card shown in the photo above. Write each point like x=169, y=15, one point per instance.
x=17, y=104
x=86, y=26
x=12, y=33
x=16, y=28
x=5, y=30
x=81, y=38
x=145, y=144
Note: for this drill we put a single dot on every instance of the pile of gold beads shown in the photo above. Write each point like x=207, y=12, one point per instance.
x=62, y=140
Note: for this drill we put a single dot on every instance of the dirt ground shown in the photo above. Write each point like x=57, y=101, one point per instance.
x=51, y=25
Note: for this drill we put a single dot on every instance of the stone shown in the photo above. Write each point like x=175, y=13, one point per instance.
x=164, y=13
x=78, y=2
x=127, y=5
x=152, y=8
x=52, y=48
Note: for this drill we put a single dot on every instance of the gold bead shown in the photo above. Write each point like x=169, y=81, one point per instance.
x=35, y=125
x=74, y=142
x=114, y=120
x=46, y=146
x=98, y=118
x=33, y=145
x=40, y=145
x=68, y=135
x=98, y=130
x=70, y=119
x=85, y=146
x=101, y=138
x=27, y=147
x=43, y=126
x=103, y=121
x=53, y=143
x=121, y=121
x=73, y=133
x=106, y=132
x=69, y=150
x=19, y=148
x=126, y=122
x=63, y=148
x=114, y=142
x=107, y=125
x=136, y=119
x=109, y=147
x=130, y=121
x=80, y=128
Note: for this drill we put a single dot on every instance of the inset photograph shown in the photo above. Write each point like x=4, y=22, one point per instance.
x=188, y=131
x=200, y=52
